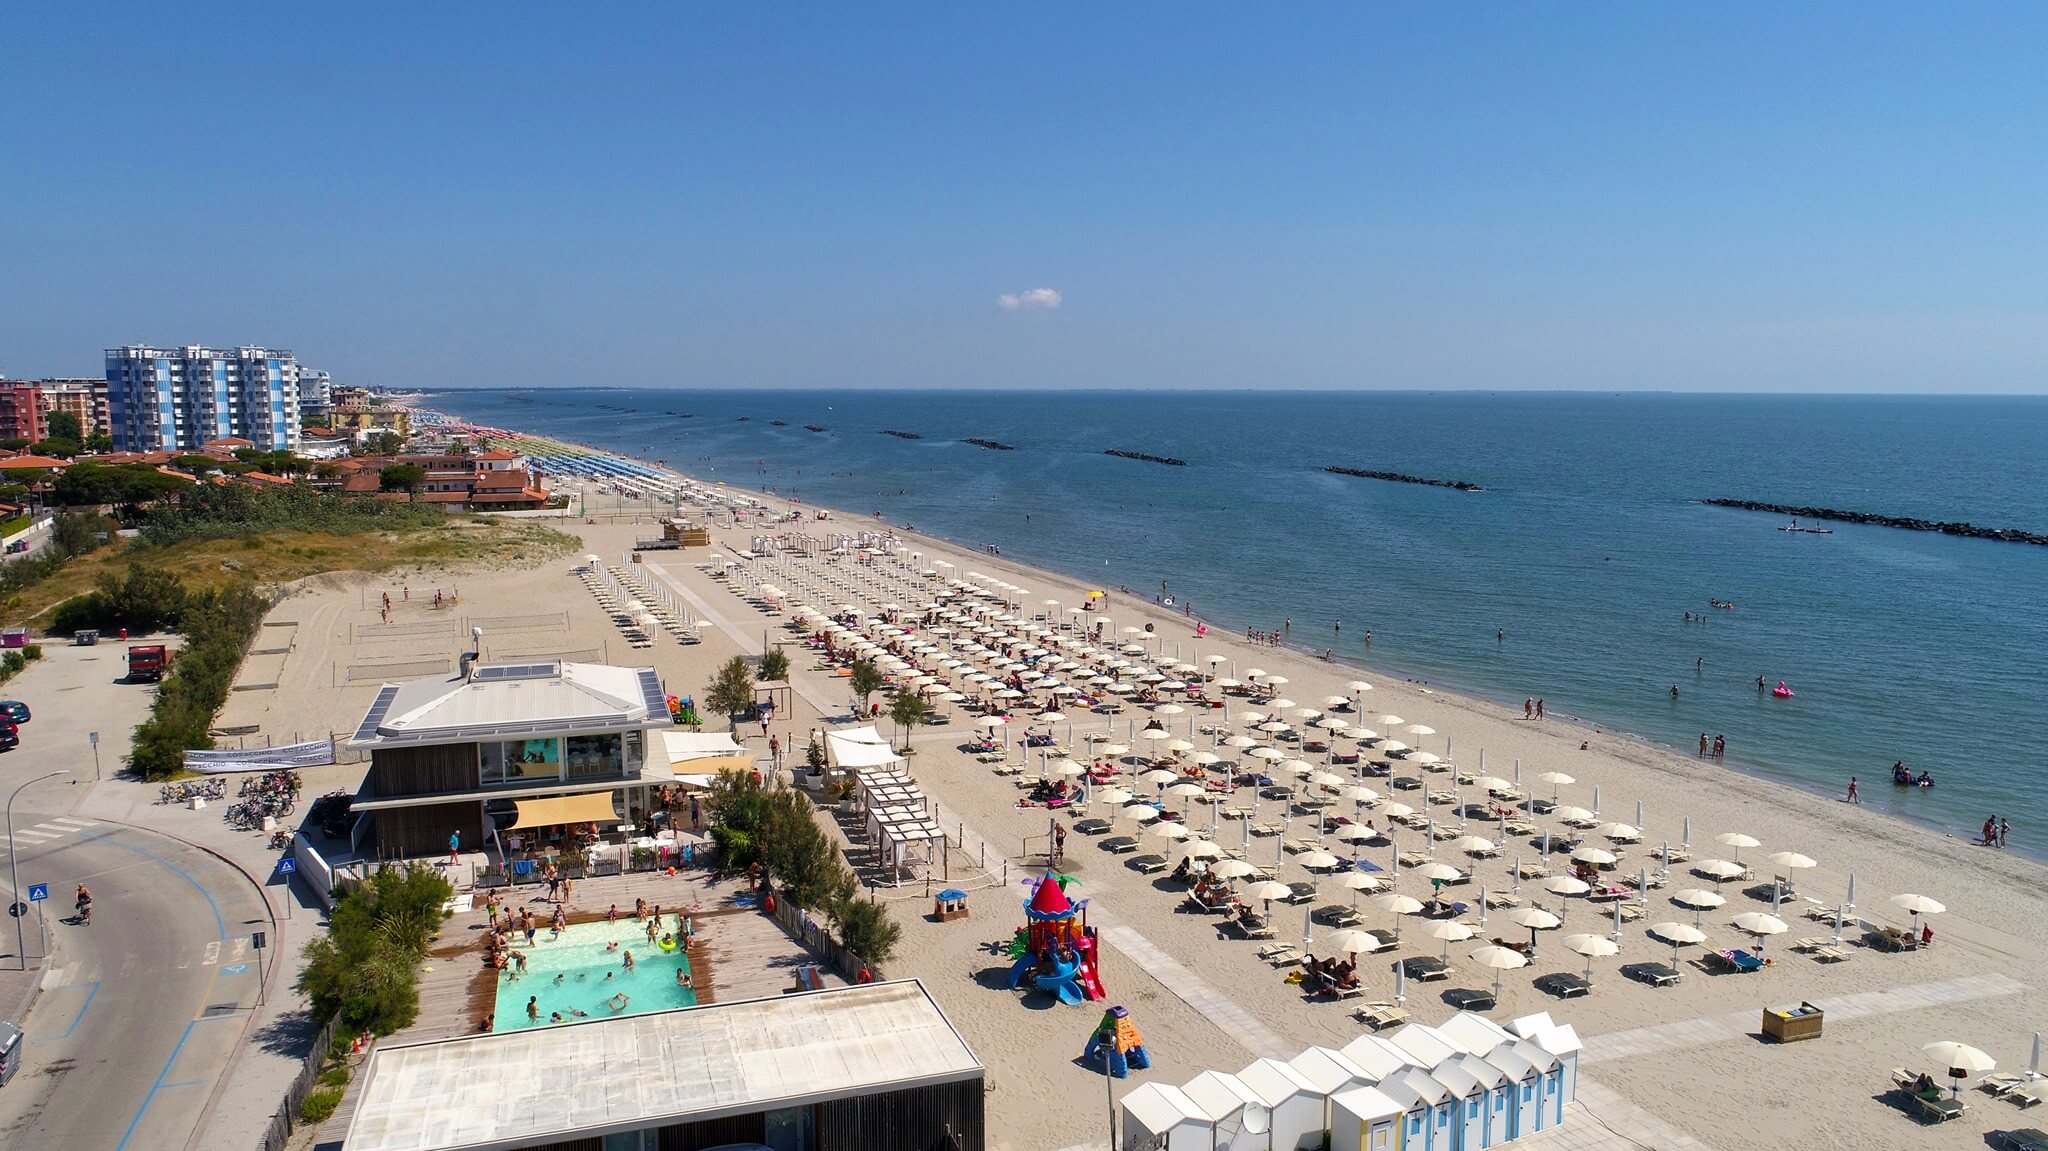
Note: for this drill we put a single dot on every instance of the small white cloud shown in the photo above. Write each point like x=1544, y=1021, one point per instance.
x=1034, y=300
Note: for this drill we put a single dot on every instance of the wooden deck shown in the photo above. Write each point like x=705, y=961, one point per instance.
x=741, y=954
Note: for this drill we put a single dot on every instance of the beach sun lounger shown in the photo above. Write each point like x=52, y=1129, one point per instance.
x=1254, y=928
x=1281, y=954
x=1564, y=985
x=1120, y=844
x=2024, y=1139
x=1654, y=974
x=1425, y=968
x=1338, y=915
x=1150, y=864
x=1092, y=826
x=1380, y=1016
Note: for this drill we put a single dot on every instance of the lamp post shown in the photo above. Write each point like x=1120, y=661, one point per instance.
x=14, y=875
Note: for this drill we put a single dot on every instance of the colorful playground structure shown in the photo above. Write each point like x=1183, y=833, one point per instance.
x=1056, y=948
x=1117, y=1040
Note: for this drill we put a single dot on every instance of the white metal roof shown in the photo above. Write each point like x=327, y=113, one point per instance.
x=512, y=700
x=519, y=1088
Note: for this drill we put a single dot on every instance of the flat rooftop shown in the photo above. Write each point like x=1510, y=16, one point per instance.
x=501, y=700
x=520, y=1088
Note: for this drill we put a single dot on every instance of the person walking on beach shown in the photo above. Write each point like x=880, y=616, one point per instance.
x=1990, y=832
x=1529, y=712
x=1703, y=745
x=1539, y=709
x=1720, y=746
x=2003, y=827
x=1853, y=797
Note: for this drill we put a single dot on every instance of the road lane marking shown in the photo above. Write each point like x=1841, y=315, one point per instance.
x=77, y=823
x=53, y=829
x=241, y=947
x=33, y=837
x=91, y=989
x=159, y=1084
x=212, y=954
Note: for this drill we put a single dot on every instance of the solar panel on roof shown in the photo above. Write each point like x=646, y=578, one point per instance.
x=517, y=671
x=650, y=692
x=380, y=707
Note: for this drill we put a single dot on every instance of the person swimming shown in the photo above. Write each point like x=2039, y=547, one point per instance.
x=618, y=1002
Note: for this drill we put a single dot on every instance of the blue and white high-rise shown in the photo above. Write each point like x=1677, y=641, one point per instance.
x=179, y=399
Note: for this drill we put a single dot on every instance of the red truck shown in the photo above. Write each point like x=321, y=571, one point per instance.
x=146, y=662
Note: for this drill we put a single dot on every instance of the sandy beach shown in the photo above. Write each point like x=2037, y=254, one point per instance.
x=1682, y=1063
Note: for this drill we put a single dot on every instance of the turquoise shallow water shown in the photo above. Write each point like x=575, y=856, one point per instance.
x=1587, y=548
x=591, y=975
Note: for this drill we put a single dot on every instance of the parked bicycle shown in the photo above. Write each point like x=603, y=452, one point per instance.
x=193, y=789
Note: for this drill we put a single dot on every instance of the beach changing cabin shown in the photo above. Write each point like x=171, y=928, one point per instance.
x=1524, y=1087
x=1364, y=1119
x=1299, y=1108
x=1468, y=1103
x=1495, y=1096
x=1378, y=1056
x=1562, y=1044
x=1158, y=1115
x=1427, y=1109
x=1223, y=1100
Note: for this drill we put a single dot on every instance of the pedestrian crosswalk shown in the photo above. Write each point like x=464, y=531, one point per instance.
x=51, y=830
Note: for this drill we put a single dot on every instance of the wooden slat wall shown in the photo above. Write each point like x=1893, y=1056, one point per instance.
x=396, y=771
x=414, y=831
x=947, y=1117
x=714, y=1133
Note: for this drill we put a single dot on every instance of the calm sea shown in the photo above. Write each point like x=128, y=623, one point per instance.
x=1587, y=547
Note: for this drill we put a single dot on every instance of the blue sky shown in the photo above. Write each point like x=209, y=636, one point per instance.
x=1601, y=196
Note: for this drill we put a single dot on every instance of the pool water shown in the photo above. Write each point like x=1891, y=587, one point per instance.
x=580, y=958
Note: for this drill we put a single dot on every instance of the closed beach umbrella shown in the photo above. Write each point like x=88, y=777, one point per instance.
x=1499, y=959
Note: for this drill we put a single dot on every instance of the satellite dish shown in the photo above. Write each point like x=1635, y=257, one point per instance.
x=1257, y=1119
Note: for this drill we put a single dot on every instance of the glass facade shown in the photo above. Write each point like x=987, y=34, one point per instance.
x=574, y=758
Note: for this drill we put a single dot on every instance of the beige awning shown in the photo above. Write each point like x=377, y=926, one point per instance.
x=714, y=765
x=592, y=807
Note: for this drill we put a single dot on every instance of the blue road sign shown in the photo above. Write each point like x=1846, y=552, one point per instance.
x=286, y=865
x=37, y=892
x=234, y=969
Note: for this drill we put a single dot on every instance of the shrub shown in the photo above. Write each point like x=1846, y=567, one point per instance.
x=866, y=929
x=33, y=651
x=774, y=665
x=367, y=966
x=232, y=511
x=335, y=1076
x=320, y=1105
x=218, y=626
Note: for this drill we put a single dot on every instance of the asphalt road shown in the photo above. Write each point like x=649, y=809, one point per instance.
x=141, y=1010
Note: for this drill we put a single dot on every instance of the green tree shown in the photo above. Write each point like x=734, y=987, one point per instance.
x=366, y=966
x=63, y=426
x=63, y=449
x=774, y=665
x=731, y=690
x=866, y=928
x=866, y=680
x=383, y=444
x=402, y=477
x=906, y=711
x=99, y=442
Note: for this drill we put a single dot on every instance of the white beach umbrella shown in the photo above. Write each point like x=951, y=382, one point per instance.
x=1113, y=796
x=1438, y=873
x=1143, y=813
x=1171, y=830
x=1204, y=758
x=1759, y=923
x=1960, y=1060
x=1267, y=753
x=1227, y=683
x=1187, y=790
x=1566, y=885
x=1240, y=742
x=1397, y=904
x=1336, y=700
x=1115, y=750
x=1159, y=775
x=1499, y=959
x=1066, y=767
x=1738, y=841
x=1356, y=881
x=1352, y=942
x=1697, y=900
x=1790, y=861
x=1393, y=810
x=1357, y=685
x=1592, y=947
x=1152, y=734
x=1571, y=813
x=1390, y=746
x=1426, y=758
x=1472, y=844
x=1231, y=868
x=1676, y=934
x=1276, y=681
x=1268, y=890
x=1621, y=832
x=1356, y=833
x=1317, y=860
x=1599, y=857
x=1533, y=918
x=1719, y=870
x=1167, y=709
x=1918, y=904
x=990, y=722
x=1451, y=931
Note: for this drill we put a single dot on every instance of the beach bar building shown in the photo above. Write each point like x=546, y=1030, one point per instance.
x=505, y=748
x=873, y=1067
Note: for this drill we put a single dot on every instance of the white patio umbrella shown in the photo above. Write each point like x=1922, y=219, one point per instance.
x=1592, y=947
x=1204, y=849
x=1317, y=860
x=1398, y=905
x=1268, y=890
x=1357, y=881
x=1620, y=832
x=1231, y=868
x=1960, y=1059
x=1598, y=857
x=1499, y=959
x=1759, y=923
x=1917, y=906
x=991, y=722
x=1438, y=873
x=1571, y=813
x=1676, y=934
x=1356, y=833
x=1472, y=844
x=1352, y=942
x=1142, y=812
x=1450, y=931
x=1738, y=841
x=1719, y=870
x=1535, y=919
x=1698, y=900
x=1172, y=830
x=1114, y=796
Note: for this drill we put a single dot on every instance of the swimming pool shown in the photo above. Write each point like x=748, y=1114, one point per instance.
x=576, y=973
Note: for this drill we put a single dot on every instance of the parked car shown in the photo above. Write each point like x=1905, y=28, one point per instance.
x=15, y=710
x=10, y=736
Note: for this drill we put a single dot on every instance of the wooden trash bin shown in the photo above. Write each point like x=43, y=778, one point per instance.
x=1792, y=1024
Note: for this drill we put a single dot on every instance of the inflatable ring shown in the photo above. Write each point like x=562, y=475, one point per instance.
x=667, y=945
